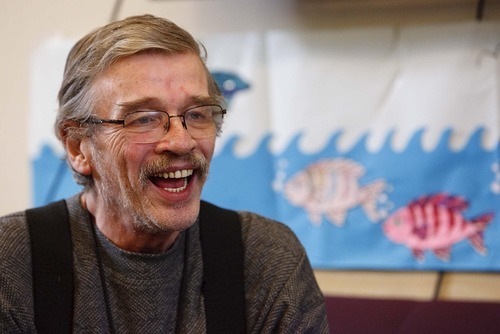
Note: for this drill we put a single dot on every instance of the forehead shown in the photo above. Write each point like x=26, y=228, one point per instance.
x=171, y=80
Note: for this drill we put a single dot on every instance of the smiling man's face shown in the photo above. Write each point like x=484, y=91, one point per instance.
x=152, y=187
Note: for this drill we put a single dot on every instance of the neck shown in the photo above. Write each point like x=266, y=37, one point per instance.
x=124, y=232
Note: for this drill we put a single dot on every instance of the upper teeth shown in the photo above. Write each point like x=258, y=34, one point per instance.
x=176, y=175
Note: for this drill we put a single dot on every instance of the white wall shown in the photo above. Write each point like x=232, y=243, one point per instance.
x=26, y=24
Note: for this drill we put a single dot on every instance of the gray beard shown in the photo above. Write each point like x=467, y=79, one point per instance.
x=117, y=195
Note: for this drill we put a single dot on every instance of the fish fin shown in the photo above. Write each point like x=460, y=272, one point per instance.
x=421, y=201
x=455, y=203
x=420, y=231
x=418, y=254
x=452, y=202
x=443, y=253
x=315, y=218
x=369, y=196
x=343, y=166
x=337, y=217
x=477, y=242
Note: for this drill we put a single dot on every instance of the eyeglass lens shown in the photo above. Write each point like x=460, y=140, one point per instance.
x=150, y=126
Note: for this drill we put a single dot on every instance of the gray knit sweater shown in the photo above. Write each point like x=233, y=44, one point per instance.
x=281, y=293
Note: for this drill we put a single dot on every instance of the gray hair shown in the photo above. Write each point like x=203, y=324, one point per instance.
x=98, y=50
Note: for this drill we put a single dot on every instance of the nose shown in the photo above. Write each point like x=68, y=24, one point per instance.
x=176, y=139
x=181, y=118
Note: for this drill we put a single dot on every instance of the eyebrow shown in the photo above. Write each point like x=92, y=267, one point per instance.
x=155, y=103
x=134, y=105
x=202, y=99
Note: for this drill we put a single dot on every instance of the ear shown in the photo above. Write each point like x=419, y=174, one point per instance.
x=78, y=151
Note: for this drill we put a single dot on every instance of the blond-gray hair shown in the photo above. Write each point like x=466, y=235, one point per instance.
x=98, y=50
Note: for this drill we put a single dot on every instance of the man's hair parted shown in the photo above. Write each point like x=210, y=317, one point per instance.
x=102, y=47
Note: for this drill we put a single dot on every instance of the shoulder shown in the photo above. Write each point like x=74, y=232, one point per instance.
x=262, y=234
x=281, y=291
x=16, y=304
x=272, y=251
x=14, y=236
x=15, y=250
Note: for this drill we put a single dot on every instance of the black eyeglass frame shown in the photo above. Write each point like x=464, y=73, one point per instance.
x=96, y=120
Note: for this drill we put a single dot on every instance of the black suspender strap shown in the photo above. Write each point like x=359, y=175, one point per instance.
x=52, y=257
x=223, y=283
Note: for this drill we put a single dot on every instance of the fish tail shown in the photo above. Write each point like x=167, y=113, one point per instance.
x=369, y=197
x=477, y=239
x=477, y=242
x=482, y=222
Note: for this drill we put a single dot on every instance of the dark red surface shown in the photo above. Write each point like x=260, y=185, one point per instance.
x=360, y=315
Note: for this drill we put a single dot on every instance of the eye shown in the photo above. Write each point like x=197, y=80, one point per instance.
x=199, y=115
x=143, y=119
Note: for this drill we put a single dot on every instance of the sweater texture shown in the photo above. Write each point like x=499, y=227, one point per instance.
x=143, y=290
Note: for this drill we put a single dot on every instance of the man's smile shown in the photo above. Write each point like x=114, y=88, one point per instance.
x=174, y=181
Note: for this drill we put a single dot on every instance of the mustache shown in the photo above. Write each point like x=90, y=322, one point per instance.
x=199, y=163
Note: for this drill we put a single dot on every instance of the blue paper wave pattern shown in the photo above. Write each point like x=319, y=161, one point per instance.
x=258, y=183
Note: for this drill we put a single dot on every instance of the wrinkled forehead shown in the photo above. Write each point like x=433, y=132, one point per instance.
x=163, y=81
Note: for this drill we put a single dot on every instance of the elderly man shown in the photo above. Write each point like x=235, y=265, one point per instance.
x=138, y=117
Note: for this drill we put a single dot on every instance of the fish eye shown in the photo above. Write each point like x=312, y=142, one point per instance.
x=229, y=84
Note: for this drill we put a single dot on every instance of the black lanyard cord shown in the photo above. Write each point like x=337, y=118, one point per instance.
x=102, y=276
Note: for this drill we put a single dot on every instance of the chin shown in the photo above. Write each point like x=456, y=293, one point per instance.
x=179, y=217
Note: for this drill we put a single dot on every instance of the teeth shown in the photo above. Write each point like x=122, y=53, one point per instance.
x=177, y=190
x=176, y=175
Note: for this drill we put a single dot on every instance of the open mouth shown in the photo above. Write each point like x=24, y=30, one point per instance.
x=173, y=182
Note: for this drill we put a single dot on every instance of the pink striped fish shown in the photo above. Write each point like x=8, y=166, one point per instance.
x=435, y=223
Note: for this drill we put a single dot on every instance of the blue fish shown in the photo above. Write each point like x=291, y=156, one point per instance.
x=230, y=84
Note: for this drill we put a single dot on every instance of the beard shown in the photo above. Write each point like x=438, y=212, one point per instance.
x=120, y=195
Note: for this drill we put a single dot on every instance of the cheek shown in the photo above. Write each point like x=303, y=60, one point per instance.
x=117, y=153
x=206, y=147
x=131, y=158
x=108, y=138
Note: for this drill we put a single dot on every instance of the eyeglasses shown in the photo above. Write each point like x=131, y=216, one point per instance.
x=149, y=126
